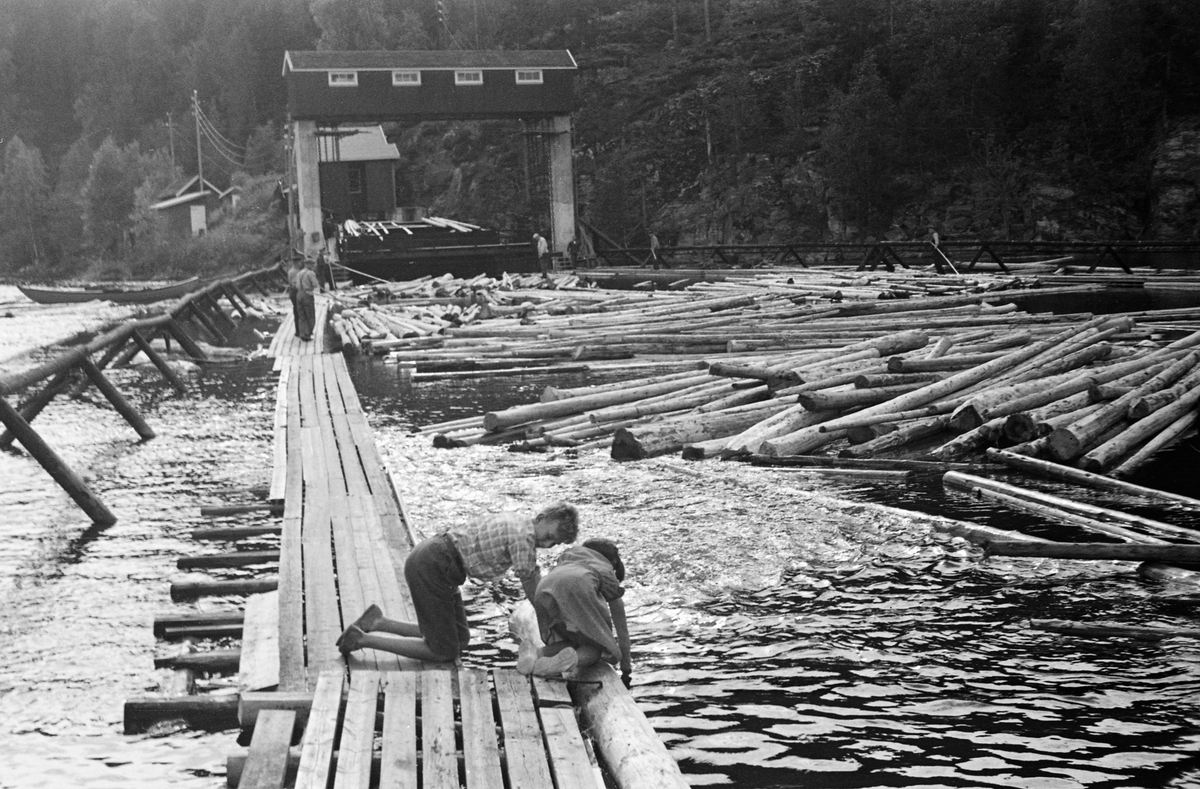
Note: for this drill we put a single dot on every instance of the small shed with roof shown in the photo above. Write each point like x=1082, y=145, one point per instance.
x=358, y=173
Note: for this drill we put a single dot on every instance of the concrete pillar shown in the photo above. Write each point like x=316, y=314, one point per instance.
x=308, y=186
x=562, y=180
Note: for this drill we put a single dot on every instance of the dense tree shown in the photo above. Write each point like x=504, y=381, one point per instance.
x=858, y=149
x=113, y=179
x=24, y=192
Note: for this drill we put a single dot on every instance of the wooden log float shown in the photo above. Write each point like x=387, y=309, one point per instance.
x=190, y=590
x=71, y=482
x=802, y=440
x=1058, y=471
x=631, y=749
x=1071, y=441
x=658, y=438
x=1172, y=433
x=1137, y=552
x=235, y=559
x=217, y=661
x=201, y=712
x=1157, y=529
x=235, y=533
x=498, y=420
x=1113, y=631
x=1107, y=454
x=185, y=340
x=918, y=430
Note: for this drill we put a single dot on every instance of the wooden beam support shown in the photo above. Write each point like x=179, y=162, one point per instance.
x=159, y=362
x=53, y=464
x=123, y=406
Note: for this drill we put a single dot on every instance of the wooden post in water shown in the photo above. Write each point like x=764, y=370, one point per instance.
x=185, y=340
x=62, y=474
x=159, y=362
x=38, y=402
x=117, y=399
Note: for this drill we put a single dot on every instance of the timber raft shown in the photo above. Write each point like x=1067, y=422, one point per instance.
x=316, y=719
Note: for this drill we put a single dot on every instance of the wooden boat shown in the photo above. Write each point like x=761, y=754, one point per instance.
x=116, y=295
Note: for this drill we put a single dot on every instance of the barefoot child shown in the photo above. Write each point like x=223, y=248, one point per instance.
x=578, y=603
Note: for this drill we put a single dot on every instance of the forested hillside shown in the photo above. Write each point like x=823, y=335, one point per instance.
x=707, y=120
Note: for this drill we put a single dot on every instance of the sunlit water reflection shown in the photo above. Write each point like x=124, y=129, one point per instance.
x=783, y=636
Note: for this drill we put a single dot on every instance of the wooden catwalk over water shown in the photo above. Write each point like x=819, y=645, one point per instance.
x=376, y=719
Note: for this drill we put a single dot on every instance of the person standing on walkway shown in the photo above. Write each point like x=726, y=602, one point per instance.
x=435, y=569
x=578, y=603
x=543, y=253
x=307, y=286
x=292, y=273
x=325, y=271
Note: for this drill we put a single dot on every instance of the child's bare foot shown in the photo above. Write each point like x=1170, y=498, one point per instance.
x=564, y=661
x=527, y=656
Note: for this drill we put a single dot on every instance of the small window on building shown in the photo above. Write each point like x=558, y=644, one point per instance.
x=406, y=77
x=530, y=76
x=468, y=77
x=343, y=79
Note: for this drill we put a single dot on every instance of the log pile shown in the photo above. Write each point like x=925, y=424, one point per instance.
x=779, y=364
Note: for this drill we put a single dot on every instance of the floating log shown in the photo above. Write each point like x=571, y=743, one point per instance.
x=832, y=400
x=190, y=590
x=632, y=750
x=1169, y=552
x=1172, y=433
x=1107, y=454
x=1113, y=631
x=1156, y=528
x=916, y=431
x=1073, y=440
x=217, y=661
x=1058, y=471
x=652, y=439
x=498, y=420
x=236, y=533
x=236, y=559
x=240, y=509
x=163, y=622
x=213, y=713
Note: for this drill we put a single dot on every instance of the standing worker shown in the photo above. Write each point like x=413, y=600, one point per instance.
x=307, y=286
x=655, y=260
x=438, y=566
x=325, y=270
x=292, y=273
x=543, y=254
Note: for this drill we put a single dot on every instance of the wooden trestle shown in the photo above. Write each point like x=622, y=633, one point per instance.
x=374, y=720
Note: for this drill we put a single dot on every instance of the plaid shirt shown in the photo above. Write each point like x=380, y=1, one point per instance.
x=493, y=543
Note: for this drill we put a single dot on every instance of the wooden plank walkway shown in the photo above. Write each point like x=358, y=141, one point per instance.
x=395, y=722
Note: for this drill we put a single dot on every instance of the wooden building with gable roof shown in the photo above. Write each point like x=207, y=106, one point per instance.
x=329, y=89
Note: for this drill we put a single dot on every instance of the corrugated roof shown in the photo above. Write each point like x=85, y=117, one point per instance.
x=371, y=60
x=368, y=145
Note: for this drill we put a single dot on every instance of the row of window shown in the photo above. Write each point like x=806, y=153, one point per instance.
x=412, y=77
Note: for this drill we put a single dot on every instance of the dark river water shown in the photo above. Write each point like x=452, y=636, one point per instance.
x=788, y=631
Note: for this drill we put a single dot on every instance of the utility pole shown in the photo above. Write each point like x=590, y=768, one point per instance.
x=199, y=154
x=171, y=141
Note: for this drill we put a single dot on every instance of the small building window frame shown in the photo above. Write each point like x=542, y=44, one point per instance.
x=406, y=78
x=343, y=79
x=468, y=76
x=529, y=76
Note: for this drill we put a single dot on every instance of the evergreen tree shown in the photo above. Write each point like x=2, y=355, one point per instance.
x=23, y=196
x=858, y=149
x=113, y=179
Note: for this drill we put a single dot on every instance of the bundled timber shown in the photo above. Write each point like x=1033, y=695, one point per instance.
x=838, y=358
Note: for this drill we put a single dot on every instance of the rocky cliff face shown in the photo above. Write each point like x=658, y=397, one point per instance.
x=1175, y=184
